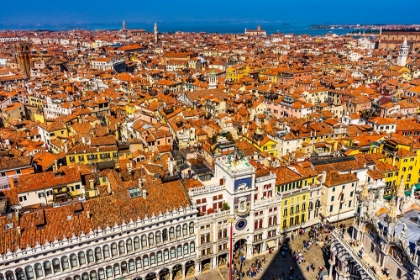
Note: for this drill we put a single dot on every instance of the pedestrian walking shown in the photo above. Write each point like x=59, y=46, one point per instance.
x=293, y=237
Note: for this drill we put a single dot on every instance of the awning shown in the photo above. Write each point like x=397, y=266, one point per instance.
x=271, y=244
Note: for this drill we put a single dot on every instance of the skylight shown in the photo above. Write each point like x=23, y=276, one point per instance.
x=134, y=192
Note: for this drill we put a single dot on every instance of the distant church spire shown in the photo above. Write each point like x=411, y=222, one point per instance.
x=124, y=26
x=402, y=57
x=156, y=33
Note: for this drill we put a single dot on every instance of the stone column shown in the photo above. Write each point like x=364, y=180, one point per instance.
x=331, y=268
x=183, y=271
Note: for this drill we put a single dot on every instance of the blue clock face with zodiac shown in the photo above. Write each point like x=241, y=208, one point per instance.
x=241, y=224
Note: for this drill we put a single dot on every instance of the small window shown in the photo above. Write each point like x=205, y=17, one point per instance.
x=134, y=192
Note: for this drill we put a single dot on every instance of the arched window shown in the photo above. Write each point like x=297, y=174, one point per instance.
x=73, y=260
x=152, y=259
x=129, y=244
x=145, y=261
x=93, y=275
x=179, y=251
x=186, y=249
x=192, y=247
x=117, y=270
x=131, y=265
x=297, y=208
x=98, y=253
x=275, y=220
x=173, y=255
x=56, y=265
x=303, y=206
x=158, y=237
x=166, y=254
x=124, y=267
x=270, y=220
x=82, y=258
x=178, y=231
x=77, y=277
x=165, y=235
x=108, y=271
x=85, y=276
x=171, y=233
x=105, y=250
x=121, y=247
x=114, y=250
x=101, y=274
x=65, y=263
x=29, y=272
x=151, y=239
x=184, y=229
x=47, y=268
x=138, y=263
x=20, y=275
x=192, y=228
x=38, y=270
x=136, y=243
x=90, y=257
x=143, y=241
x=159, y=256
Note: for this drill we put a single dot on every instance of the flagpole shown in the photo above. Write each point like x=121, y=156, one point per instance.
x=230, y=249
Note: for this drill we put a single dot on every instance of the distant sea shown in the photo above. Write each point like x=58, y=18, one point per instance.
x=208, y=27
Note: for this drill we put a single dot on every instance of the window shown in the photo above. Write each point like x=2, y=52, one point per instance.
x=165, y=235
x=159, y=256
x=38, y=270
x=82, y=258
x=145, y=261
x=179, y=251
x=184, y=229
x=331, y=208
x=178, y=231
x=101, y=274
x=192, y=247
x=350, y=203
x=285, y=212
x=152, y=259
x=332, y=198
x=134, y=192
x=143, y=241
x=351, y=194
x=172, y=252
x=114, y=250
x=158, y=237
x=116, y=270
x=138, y=263
x=73, y=260
x=136, y=243
x=29, y=272
x=98, y=254
x=166, y=254
x=151, y=239
x=191, y=228
x=56, y=265
x=106, y=251
x=171, y=233
x=185, y=248
x=90, y=257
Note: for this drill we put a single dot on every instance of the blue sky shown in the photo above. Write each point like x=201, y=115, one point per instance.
x=111, y=11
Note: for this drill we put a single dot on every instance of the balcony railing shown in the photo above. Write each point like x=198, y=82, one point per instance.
x=350, y=250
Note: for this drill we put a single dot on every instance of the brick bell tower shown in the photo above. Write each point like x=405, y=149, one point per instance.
x=23, y=56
